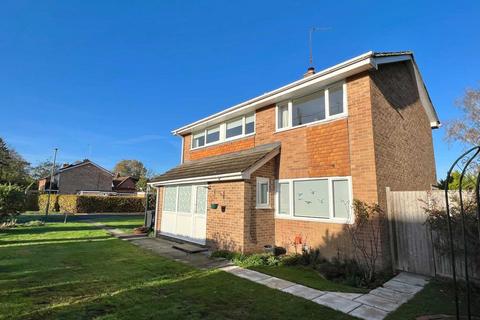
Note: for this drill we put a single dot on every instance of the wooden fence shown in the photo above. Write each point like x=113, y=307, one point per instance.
x=412, y=241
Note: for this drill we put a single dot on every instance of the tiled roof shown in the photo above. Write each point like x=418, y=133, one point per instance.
x=227, y=163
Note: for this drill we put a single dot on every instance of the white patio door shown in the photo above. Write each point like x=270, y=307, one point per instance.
x=184, y=213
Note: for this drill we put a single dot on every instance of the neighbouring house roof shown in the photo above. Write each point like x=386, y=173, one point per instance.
x=76, y=165
x=118, y=181
x=230, y=166
x=366, y=61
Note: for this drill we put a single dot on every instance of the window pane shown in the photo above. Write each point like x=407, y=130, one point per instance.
x=198, y=140
x=308, y=109
x=335, y=100
x=282, y=116
x=311, y=198
x=201, y=206
x=170, y=198
x=235, y=128
x=213, y=134
x=250, y=124
x=263, y=193
x=283, y=198
x=341, y=199
x=184, y=198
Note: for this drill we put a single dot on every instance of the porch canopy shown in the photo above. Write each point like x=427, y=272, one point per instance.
x=230, y=166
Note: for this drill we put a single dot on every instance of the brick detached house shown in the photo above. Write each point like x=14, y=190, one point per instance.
x=82, y=176
x=291, y=161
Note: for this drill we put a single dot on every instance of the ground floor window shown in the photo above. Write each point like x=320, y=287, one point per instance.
x=263, y=193
x=328, y=198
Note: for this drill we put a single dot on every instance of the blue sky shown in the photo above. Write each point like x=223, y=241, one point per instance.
x=109, y=80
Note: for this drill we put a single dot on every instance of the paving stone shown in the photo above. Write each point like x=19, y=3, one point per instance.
x=378, y=302
x=333, y=301
x=411, y=278
x=249, y=274
x=347, y=295
x=368, y=313
x=395, y=296
x=276, y=283
x=304, y=292
x=401, y=287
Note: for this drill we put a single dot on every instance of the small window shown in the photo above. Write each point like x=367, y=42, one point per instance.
x=213, y=134
x=250, y=124
x=282, y=121
x=308, y=109
x=335, y=100
x=184, y=199
x=170, y=199
x=311, y=198
x=198, y=140
x=263, y=193
x=283, y=198
x=234, y=128
x=341, y=199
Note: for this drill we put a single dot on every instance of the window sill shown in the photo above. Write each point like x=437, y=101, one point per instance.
x=319, y=220
x=263, y=208
x=331, y=119
x=224, y=141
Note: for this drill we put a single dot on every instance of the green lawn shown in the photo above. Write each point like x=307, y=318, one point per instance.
x=306, y=276
x=124, y=223
x=436, y=298
x=76, y=271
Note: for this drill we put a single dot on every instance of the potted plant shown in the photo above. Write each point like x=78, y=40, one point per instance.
x=214, y=205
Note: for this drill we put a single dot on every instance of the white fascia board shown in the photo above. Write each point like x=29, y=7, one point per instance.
x=214, y=178
x=299, y=87
x=422, y=90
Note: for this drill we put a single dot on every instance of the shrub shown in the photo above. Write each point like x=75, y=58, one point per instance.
x=91, y=204
x=12, y=201
x=257, y=259
x=31, y=201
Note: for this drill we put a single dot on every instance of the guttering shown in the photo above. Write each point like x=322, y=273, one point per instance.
x=346, y=68
x=213, y=178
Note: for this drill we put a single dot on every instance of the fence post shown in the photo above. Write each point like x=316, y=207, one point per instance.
x=391, y=228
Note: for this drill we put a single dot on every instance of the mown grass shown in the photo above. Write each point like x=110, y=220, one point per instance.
x=306, y=276
x=77, y=271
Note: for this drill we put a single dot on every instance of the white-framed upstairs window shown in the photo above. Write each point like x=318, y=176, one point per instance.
x=323, y=105
x=235, y=128
x=326, y=199
x=263, y=193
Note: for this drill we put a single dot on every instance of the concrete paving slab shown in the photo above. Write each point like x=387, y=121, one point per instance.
x=377, y=302
x=401, y=287
x=304, y=292
x=276, y=283
x=395, y=296
x=348, y=295
x=249, y=274
x=336, y=302
x=411, y=278
x=368, y=313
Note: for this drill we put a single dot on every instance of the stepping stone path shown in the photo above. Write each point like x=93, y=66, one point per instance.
x=375, y=305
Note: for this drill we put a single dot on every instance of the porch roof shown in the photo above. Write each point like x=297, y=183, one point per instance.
x=230, y=166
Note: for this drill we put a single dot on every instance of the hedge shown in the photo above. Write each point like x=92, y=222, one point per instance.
x=91, y=204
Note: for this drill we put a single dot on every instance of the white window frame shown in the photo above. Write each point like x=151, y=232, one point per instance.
x=193, y=198
x=331, y=219
x=223, y=131
x=328, y=118
x=260, y=181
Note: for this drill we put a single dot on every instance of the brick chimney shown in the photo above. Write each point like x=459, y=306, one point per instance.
x=310, y=72
x=65, y=165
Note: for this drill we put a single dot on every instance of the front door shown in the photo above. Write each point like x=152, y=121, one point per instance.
x=184, y=213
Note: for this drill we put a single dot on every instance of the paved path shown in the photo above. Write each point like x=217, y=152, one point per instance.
x=164, y=247
x=374, y=305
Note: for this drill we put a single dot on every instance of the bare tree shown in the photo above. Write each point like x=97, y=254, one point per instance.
x=466, y=130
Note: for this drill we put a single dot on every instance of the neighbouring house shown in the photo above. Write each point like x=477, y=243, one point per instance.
x=81, y=176
x=289, y=162
x=124, y=184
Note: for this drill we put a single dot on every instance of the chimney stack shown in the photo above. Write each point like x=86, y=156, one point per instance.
x=310, y=72
x=65, y=165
